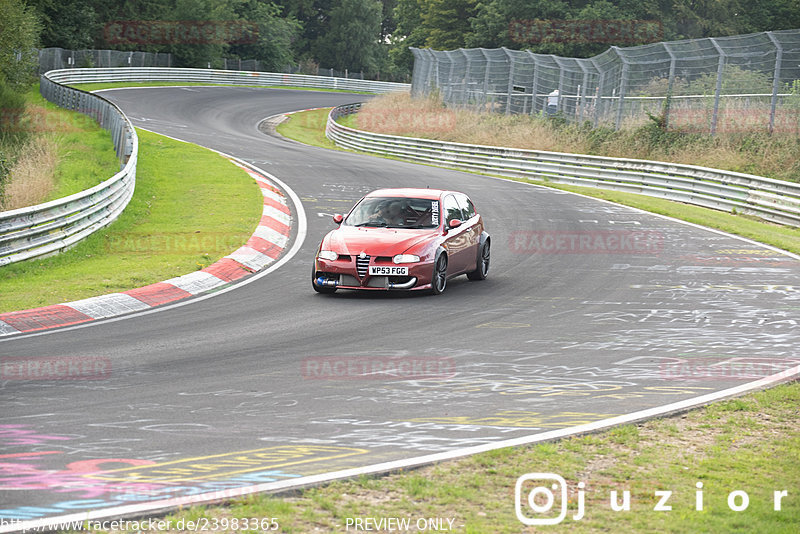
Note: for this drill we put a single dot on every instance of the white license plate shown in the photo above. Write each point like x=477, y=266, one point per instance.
x=387, y=270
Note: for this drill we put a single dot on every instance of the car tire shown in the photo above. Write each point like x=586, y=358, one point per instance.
x=483, y=263
x=439, y=279
x=324, y=290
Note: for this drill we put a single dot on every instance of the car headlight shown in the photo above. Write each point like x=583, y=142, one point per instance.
x=405, y=258
x=327, y=255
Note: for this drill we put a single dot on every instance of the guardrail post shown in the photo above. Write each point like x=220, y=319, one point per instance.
x=718, y=89
x=776, y=80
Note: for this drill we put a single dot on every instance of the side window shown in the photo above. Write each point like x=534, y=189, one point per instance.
x=452, y=209
x=466, y=206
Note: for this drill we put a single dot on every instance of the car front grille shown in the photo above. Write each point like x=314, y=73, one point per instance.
x=362, y=266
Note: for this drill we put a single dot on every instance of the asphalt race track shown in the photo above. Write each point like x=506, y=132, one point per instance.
x=236, y=390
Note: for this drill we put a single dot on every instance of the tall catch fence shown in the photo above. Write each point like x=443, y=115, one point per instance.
x=60, y=58
x=723, y=84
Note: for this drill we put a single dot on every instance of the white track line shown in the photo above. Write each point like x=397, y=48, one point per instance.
x=272, y=487
x=162, y=506
x=302, y=231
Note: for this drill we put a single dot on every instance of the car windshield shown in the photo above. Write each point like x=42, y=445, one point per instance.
x=395, y=212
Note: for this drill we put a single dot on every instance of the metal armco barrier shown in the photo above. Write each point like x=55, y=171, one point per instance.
x=773, y=200
x=51, y=227
x=224, y=77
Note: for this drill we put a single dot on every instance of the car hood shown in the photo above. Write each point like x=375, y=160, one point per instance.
x=374, y=241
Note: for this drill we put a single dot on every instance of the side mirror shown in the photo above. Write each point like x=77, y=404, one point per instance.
x=455, y=223
x=338, y=219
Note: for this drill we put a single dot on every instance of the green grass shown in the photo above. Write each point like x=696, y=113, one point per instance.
x=190, y=208
x=783, y=237
x=86, y=152
x=308, y=127
x=86, y=155
x=116, y=85
x=753, y=445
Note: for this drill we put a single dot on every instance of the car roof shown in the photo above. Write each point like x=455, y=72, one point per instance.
x=409, y=192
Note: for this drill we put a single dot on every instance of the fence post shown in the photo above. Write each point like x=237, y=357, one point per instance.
x=535, y=82
x=776, y=80
x=510, y=79
x=485, y=78
x=670, y=83
x=598, y=93
x=718, y=90
x=465, y=99
x=623, y=86
x=582, y=92
x=427, y=80
x=448, y=95
x=560, y=87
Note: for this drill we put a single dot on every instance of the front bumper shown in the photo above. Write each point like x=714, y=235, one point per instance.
x=343, y=274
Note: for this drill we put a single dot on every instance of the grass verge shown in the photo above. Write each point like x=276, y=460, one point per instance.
x=775, y=156
x=749, y=444
x=82, y=154
x=190, y=208
x=117, y=85
x=308, y=127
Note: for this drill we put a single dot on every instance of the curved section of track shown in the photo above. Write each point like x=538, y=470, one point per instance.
x=232, y=391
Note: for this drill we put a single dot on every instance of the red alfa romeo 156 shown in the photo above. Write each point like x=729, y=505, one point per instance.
x=403, y=239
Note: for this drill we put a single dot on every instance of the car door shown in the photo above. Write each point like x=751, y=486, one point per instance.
x=457, y=240
x=473, y=233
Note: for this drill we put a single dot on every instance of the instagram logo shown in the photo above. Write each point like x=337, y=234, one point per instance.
x=539, y=491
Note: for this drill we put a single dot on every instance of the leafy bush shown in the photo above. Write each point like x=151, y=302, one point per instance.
x=12, y=109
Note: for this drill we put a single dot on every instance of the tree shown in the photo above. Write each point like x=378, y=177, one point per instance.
x=273, y=42
x=447, y=22
x=388, y=22
x=19, y=31
x=314, y=19
x=68, y=24
x=210, y=51
x=351, y=41
x=409, y=33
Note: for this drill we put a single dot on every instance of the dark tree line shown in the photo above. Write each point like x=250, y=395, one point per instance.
x=373, y=36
